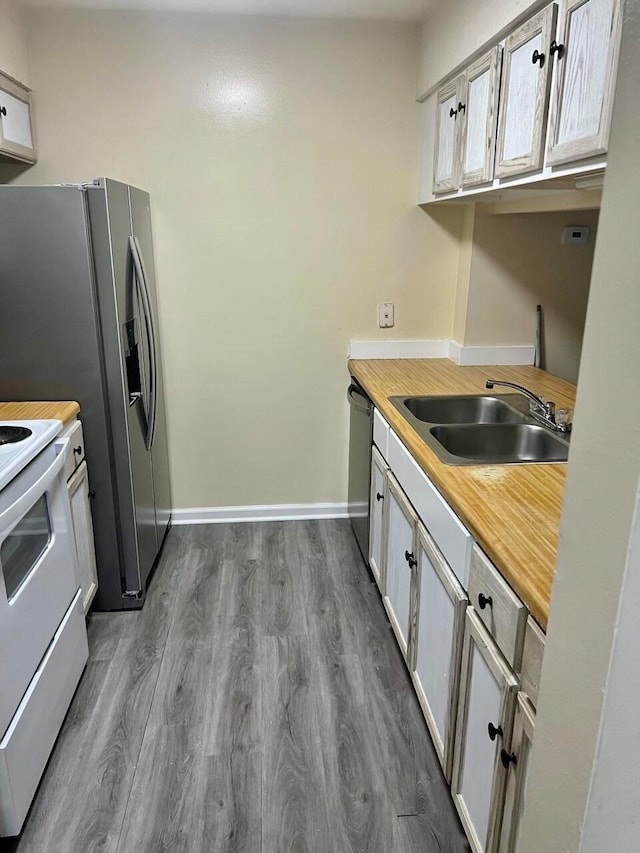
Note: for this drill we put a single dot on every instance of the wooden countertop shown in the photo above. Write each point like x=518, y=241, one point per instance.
x=65, y=411
x=513, y=511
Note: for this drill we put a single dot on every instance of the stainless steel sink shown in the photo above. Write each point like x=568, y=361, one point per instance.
x=481, y=429
x=494, y=444
x=477, y=409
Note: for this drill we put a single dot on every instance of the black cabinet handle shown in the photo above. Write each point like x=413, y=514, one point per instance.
x=78, y=450
x=507, y=759
x=484, y=601
x=538, y=57
x=462, y=107
x=453, y=113
x=556, y=48
x=494, y=731
x=410, y=559
x=3, y=111
x=379, y=497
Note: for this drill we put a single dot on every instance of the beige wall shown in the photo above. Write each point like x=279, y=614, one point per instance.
x=14, y=59
x=583, y=792
x=281, y=157
x=518, y=261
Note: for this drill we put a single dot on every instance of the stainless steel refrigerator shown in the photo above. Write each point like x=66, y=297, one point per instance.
x=78, y=321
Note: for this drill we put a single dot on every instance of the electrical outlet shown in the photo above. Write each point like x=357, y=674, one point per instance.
x=576, y=235
x=385, y=315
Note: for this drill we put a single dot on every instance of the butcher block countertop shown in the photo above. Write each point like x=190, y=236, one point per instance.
x=513, y=511
x=65, y=411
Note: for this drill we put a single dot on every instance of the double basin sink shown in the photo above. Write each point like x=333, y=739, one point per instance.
x=481, y=429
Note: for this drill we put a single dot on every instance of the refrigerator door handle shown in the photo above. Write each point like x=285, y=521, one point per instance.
x=141, y=279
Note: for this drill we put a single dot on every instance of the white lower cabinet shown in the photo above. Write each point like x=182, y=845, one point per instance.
x=483, y=729
x=376, y=516
x=78, y=488
x=517, y=761
x=400, y=562
x=441, y=603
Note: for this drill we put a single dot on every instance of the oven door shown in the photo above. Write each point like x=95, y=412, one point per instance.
x=38, y=570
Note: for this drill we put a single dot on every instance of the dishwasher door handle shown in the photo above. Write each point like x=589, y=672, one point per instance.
x=358, y=400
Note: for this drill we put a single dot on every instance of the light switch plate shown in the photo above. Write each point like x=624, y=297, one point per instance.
x=385, y=315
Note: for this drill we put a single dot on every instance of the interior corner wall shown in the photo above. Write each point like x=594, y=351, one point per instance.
x=519, y=261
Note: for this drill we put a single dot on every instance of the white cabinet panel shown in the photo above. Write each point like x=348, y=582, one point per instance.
x=587, y=53
x=78, y=488
x=441, y=603
x=447, y=141
x=517, y=760
x=524, y=96
x=479, y=118
x=381, y=433
x=376, y=517
x=16, y=131
x=400, y=562
x=485, y=718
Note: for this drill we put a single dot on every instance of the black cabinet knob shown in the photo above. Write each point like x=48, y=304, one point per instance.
x=462, y=107
x=507, y=759
x=453, y=113
x=556, y=48
x=538, y=57
x=410, y=558
x=484, y=601
x=91, y=494
x=3, y=111
x=78, y=450
x=379, y=497
x=494, y=731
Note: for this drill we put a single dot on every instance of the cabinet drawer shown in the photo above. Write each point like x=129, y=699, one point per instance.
x=76, y=447
x=27, y=743
x=498, y=607
x=449, y=533
x=534, y=639
x=381, y=433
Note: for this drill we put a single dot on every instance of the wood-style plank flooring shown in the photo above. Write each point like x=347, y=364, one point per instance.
x=257, y=703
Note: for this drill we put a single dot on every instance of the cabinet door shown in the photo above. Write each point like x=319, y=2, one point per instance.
x=480, y=110
x=517, y=760
x=16, y=131
x=400, y=562
x=524, y=96
x=587, y=55
x=78, y=487
x=437, y=644
x=446, y=163
x=376, y=517
x=483, y=729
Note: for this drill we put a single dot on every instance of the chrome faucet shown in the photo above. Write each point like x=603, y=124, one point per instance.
x=540, y=409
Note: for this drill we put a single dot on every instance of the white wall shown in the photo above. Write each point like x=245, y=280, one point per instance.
x=281, y=158
x=14, y=59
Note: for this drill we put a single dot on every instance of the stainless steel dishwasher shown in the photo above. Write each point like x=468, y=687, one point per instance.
x=360, y=438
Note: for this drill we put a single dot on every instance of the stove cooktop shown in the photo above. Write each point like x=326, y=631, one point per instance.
x=20, y=442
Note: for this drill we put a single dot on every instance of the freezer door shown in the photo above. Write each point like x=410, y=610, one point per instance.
x=127, y=375
x=157, y=438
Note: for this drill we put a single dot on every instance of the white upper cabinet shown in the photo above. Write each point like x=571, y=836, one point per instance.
x=587, y=57
x=447, y=145
x=480, y=110
x=524, y=97
x=16, y=131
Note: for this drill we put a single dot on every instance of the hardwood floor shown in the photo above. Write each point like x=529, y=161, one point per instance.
x=257, y=703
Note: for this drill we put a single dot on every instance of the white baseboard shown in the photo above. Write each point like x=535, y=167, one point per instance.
x=272, y=512
x=399, y=349
x=459, y=354
x=466, y=356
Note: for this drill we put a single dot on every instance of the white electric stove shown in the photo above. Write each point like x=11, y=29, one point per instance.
x=20, y=442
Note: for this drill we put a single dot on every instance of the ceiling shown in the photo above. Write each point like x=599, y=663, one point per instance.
x=397, y=10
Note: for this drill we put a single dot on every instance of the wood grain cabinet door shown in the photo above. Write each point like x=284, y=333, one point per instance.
x=446, y=162
x=440, y=603
x=479, y=117
x=517, y=761
x=483, y=729
x=524, y=95
x=16, y=130
x=400, y=562
x=587, y=61
x=376, y=516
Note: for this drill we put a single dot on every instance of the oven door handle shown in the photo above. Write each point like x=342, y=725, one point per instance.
x=17, y=509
